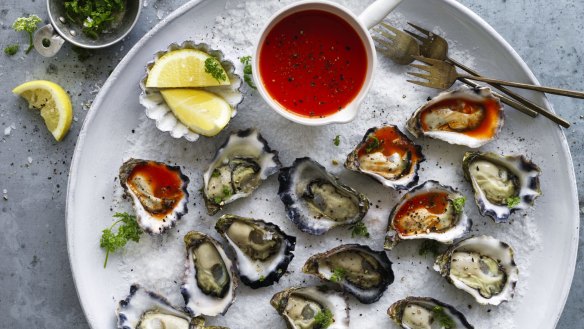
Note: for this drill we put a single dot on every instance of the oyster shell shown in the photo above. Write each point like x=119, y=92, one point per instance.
x=387, y=155
x=316, y=201
x=426, y=313
x=158, y=110
x=471, y=117
x=262, y=250
x=482, y=266
x=158, y=192
x=357, y=269
x=239, y=167
x=199, y=323
x=300, y=306
x=501, y=184
x=143, y=309
x=209, y=283
x=428, y=211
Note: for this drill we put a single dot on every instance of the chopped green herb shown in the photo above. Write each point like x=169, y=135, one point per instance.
x=338, y=274
x=28, y=25
x=128, y=230
x=213, y=67
x=226, y=191
x=429, y=247
x=217, y=199
x=443, y=319
x=513, y=201
x=359, y=229
x=337, y=140
x=372, y=144
x=458, y=204
x=262, y=278
x=247, y=72
x=94, y=16
x=215, y=173
x=11, y=50
x=323, y=319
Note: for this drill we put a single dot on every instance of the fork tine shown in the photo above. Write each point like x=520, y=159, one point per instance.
x=426, y=32
x=387, y=35
x=422, y=67
x=419, y=37
x=391, y=28
x=383, y=43
x=420, y=83
x=420, y=75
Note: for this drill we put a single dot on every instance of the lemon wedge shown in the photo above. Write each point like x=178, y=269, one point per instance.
x=52, y=101
x=203, y=112
x=186, y=68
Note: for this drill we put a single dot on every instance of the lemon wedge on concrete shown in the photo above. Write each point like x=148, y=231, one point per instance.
x=203, y=112
x=52, y=101
x=186, y=68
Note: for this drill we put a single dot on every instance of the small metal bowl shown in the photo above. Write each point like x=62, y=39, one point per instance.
x=49, y=39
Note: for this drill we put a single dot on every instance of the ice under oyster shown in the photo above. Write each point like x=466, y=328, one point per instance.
x=158, y=192
x=482, y=266
x=209, y=282
x=143, y=309
x=262, y=250
x=357, y=269
x=316, y=201
x=428, y=211
x=387, y=155
x=301, y=307
x=501, y=184
x=471, y=117
x=239, y=167
x=426, y=313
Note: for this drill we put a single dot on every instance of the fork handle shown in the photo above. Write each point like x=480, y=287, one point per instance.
x=551, y=90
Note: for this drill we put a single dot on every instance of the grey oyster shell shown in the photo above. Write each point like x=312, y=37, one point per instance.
x=156, y=108
x=357, y=269
x=482, y=266
x=143, y=309
x=304, y=189
x=395, y=170
x=262, y=250
x=238, y=168
x=418, y=312
x=157, y=210
x=445, y=117
x=298, y=306
x=496, y=180
x=445, y=227
x=209, y=282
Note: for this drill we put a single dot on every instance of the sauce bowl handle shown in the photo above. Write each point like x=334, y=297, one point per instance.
x=377, y=11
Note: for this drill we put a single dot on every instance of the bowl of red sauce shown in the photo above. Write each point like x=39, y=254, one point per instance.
x=314, y=63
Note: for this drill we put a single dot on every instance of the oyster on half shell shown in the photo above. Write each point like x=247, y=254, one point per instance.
x=501, y=184
x=357, y=269
x=316, y=201
x=482, y=266
x=426, y=313
x=158, y=192
x=209, y=282
x=387, y=155
x=239, y=167
x=471, y=117
x=428, y=211
x=301, y=306
x=262, y=250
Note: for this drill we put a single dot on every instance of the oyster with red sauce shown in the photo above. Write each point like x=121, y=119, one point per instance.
x=467, y=116
x=158, y=192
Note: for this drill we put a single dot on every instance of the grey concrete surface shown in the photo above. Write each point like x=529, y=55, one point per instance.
x=36, y=287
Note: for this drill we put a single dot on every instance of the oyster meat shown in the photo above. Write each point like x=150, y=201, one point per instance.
x=426, y=313
x=428, y=211
x=387, y=155
x=263, y=251
x=471, y=117
x=482, y=266
x=357, y=269
x=316, y=201
x=158, y=192
x=239, y=167
x=143, y=309
x=199, y=323
x=501, y=184
x=209, y=283
x=302, y=307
